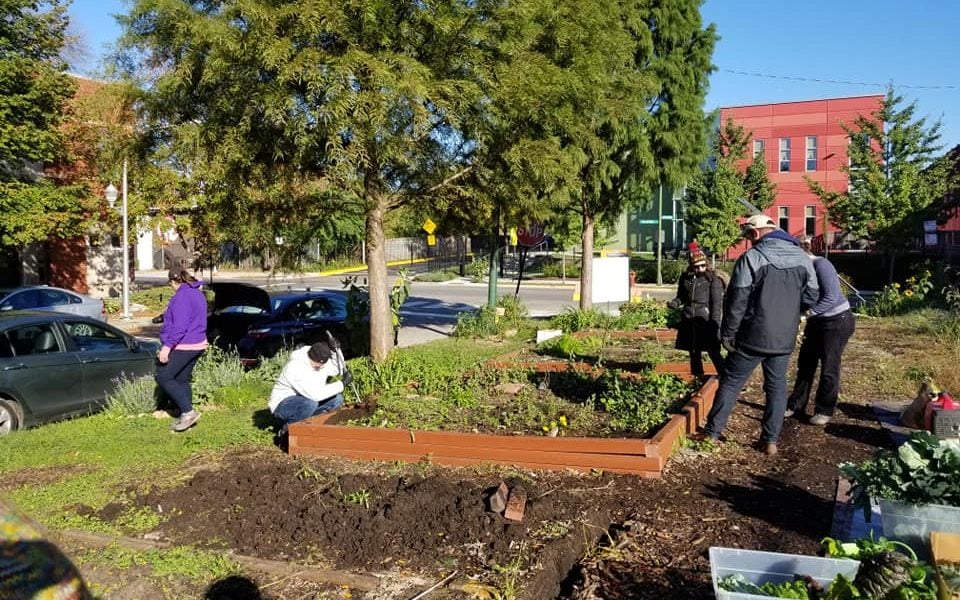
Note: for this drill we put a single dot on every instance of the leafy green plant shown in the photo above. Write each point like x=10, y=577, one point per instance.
x=571, y=320
x=923, y=470
x=132, y=397
x=358, y=308
x=359, y=497
x=216, y=371
x=644, y=312
x=569, y=346
x=486, y=323
x=479, y=268
x=641, y=405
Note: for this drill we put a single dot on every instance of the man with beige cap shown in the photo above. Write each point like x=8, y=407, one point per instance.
x=771, y=283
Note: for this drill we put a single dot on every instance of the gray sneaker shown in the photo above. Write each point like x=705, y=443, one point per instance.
x=186, y=421
x=788, y=413
x=819, y=420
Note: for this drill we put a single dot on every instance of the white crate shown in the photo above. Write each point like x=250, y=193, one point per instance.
x=760, y=567
x=912, y=523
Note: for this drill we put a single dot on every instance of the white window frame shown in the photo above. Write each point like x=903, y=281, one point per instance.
x=784, y=155
x=810, y=220
x=811, y=154
x=759, y=147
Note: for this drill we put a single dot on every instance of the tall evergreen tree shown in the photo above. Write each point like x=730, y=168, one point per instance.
x=890, y=183
x=713, y=197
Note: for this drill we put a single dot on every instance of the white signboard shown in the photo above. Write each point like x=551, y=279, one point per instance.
x=611, y=279
x=929, y=226
x=929, y=239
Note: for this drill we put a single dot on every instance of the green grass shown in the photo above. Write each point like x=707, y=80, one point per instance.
x=195, y=565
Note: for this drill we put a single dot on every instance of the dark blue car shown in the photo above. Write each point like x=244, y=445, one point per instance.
x=258, y=324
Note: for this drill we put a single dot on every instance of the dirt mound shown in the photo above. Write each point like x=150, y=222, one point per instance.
x=317, y=511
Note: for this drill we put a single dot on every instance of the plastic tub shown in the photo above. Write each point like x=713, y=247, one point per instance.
x=912, y=523
x=760, y=567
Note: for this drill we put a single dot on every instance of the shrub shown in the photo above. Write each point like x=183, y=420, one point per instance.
x=485, y=323
x=479, y=268
x=640, y=406
x=133, y=397
x=671, y=270
x=645, y=312
x=434, y=276
x=556, y=268
x=575, y=319
x=215, y=371
x=568, y=346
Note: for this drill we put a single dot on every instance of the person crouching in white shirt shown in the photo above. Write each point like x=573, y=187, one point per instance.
x=304, y=389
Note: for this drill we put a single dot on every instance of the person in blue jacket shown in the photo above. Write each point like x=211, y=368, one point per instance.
x=771, y=284
x=830, y=325
x=184, y=339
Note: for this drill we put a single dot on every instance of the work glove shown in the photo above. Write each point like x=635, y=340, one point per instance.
x=729, y=344
x=675, y=303
x=157, y=319
x=347, y=378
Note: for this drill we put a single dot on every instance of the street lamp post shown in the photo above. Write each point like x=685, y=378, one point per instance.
x=111, y=194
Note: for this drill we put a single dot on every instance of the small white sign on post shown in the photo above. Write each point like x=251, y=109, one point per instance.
x=929, y=239
x=929, y=226
x=611, y=279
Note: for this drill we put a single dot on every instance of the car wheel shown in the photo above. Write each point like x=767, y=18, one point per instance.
x=9, y=421
x=82, y=330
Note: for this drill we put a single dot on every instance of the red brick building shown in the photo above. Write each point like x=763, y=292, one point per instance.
x=798, y=140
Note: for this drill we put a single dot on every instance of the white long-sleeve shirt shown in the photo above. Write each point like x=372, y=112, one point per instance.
x=299, y=378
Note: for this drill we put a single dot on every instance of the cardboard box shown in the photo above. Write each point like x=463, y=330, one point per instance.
x=945, y=548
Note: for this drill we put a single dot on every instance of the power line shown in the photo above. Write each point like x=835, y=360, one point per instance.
x=841, y=81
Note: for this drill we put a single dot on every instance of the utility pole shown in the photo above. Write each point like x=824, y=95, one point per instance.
x=660, y=237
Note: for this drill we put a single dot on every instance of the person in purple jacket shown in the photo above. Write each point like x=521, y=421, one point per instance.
x=184, y=338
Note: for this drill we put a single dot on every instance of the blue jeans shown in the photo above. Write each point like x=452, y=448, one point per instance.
x=737, y=371
x=175, y=376
x=300, y=408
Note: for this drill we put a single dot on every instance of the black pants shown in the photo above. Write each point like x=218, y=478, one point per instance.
x=823, y=342
x=175, y=376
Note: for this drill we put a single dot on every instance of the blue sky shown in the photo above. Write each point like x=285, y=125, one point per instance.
x=772, y=51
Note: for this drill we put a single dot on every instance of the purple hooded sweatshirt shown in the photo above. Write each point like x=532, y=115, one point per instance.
x=185, y=320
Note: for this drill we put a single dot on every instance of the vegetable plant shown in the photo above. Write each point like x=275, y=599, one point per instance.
x=923, y=470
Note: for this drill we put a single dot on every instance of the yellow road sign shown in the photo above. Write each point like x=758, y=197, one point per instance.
x=431, y=240
x=429, y=226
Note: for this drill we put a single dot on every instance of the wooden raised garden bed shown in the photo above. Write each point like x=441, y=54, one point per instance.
x=641, y=456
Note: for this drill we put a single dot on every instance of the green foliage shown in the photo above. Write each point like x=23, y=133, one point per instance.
x=198, y=566
x=896, y=299
x=568, y=346
x=485, y=322
x=645, y=312
x=358, y=309
x=670, y=270
x=892, y=175
x=435, y=276
x=132, y=397
x=923, y=470
x=713, y=197
x=34, y=87
x=559, y=269
x=216, y=372
x=641, y=406
x=478, y=268
x=571, y=320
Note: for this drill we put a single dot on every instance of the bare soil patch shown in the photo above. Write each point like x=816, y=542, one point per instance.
x=583, y=536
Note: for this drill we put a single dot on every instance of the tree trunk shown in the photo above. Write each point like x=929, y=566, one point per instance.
x=381, y=321
x=586, y=270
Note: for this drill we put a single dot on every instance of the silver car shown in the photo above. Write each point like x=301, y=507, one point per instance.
x=44, y=297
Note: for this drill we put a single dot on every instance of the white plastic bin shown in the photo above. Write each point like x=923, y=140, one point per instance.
x=760, y=567
x=912, y=523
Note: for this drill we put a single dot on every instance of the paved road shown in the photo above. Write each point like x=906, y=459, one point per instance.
x=432, y=308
